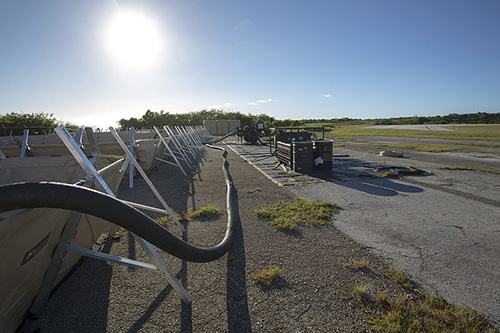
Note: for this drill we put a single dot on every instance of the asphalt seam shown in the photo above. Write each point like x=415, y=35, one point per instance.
x=465, y=195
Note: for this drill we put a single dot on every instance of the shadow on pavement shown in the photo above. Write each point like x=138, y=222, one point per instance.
x=380, y=187
x=238, y=317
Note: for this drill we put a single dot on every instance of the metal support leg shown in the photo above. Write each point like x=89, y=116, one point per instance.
x=177, y=164
x=131, y=168
x=146, y=178
x=177, y=145
x=24, y=144
x=94, y=177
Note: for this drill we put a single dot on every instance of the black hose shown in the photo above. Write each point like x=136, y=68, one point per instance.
x=220, y=139
x=95, y=203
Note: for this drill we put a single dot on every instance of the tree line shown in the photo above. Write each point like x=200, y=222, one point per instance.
x=452, y=118
x=37, y=123
x=196, y=118
x=15, y=123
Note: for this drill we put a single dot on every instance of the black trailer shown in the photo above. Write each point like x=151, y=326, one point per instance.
x=302, y=149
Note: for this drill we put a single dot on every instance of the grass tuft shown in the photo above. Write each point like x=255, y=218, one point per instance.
x=253, y=190
x=206, y=212
x=490, y=171
x=399, y=276
x=359, y=265
x=267, y=277
x=164, y=220
x=427, y=313
x=362, y=292
x=286, y=216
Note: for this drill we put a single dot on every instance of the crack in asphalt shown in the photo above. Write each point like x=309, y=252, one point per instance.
x=465, y=195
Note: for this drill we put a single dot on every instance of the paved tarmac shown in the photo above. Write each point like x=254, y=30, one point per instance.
x=443, y=228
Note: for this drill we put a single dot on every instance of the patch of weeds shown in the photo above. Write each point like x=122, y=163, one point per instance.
x=286, y=216
x=206, y=212
x=283, y=224
x=383, y=301
x=253, y=190
x=455, y=168
x=400, y=276
x=164, y=220
x=426, y=313
x=210, y=160
x=195, y=177
x=359, y=265
x=267, y=277
x=412, y=167
x=338, y=145
x=490, y=171
x=362, y=292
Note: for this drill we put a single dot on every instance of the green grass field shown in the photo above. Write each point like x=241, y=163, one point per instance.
x=481, y=133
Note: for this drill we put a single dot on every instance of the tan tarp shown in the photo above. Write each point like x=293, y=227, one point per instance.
x=28, y=237
x=59, y=169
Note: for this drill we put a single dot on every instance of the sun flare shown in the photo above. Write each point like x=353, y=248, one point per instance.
x=133, y=40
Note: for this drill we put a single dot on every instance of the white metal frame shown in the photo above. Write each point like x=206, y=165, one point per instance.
x=64, y=246
x=169, y=154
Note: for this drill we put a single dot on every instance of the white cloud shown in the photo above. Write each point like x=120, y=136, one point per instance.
x=224, y=106
x=326, y=95
x=260, y=101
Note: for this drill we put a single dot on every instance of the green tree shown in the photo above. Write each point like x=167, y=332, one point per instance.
x=15, y=123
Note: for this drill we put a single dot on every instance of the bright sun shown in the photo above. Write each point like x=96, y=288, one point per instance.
x=133, y=40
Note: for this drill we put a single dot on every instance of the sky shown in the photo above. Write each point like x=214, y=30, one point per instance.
x=94, y=62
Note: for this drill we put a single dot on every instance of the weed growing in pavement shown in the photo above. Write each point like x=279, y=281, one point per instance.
x=286, y=216
x=468, y=169
x=455, y=168
x=283, y=224
x=210, y=160
x=357, y=264
x=415, y=310
x=206, y=212
x=267, y=277
x=253, y=190
x=399, y=276
x=490, y=171
x=383, y=301
x=364, y=293
x=425, y=313
x=164, y=220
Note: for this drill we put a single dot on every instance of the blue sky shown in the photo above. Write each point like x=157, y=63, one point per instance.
x=288, y=59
